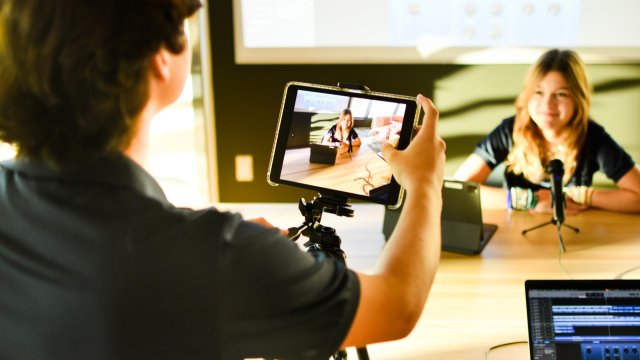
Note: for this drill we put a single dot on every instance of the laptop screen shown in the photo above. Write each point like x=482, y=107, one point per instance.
x=583, y=319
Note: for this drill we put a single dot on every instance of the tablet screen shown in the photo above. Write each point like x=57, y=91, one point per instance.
x=330, y=139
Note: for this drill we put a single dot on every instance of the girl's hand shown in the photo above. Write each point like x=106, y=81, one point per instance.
x=545, y=206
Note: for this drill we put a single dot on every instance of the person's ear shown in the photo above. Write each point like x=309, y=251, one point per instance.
x=160, y=66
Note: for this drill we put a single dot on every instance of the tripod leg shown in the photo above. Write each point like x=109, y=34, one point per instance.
x=363, y=354
x=562, y=247
x=575, y=229
x=536, y=227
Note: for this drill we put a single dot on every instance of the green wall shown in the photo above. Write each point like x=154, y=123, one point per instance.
x=471, y=99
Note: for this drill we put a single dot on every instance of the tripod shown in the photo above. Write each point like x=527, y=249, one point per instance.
x=559, y=224
x=556, y=170
x=324, y=238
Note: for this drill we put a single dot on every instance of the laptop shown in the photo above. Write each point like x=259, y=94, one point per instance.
x=462, y=228
x=322, y=154
x=583, y=319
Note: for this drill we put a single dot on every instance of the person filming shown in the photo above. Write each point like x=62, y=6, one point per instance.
x=95, y=263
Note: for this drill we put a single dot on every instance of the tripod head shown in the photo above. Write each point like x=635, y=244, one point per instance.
x=321, y=238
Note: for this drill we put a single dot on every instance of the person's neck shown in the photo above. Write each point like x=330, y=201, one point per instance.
x=553, y=137
x=555, y=145
x=138, y=150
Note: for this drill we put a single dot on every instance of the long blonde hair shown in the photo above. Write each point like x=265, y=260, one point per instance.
x=339, y=131
x=528, y=155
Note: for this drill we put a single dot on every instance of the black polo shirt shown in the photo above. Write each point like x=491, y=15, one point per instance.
x=95, y=263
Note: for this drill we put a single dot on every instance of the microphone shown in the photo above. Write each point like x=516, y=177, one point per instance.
x=556, y=169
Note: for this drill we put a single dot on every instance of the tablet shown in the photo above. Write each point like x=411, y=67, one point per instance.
x=353, y=123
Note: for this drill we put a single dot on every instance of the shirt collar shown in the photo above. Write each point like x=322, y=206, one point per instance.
x=119, y=171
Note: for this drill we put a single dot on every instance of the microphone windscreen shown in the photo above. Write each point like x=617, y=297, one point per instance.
x=556, y=166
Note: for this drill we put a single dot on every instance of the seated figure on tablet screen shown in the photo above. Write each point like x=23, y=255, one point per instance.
x=342, y=132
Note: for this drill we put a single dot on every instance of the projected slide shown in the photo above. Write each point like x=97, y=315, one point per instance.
x=440, y=31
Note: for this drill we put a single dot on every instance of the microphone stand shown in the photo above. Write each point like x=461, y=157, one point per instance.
x=556, y=169
x=559, y=224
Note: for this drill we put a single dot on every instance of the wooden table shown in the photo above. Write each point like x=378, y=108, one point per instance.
x=358, y=172
x=477, y=302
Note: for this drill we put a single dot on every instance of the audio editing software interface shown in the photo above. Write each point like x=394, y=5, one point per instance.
x=584, y=324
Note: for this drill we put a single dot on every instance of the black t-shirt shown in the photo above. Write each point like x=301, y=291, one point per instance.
x=96, y=264
x=332, y=133
x=599, y=152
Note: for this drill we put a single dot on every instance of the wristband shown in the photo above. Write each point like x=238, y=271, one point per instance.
x=588, y=197
x=580, y=194
x=521, y=199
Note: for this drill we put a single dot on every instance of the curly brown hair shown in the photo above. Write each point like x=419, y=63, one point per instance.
x=73, y=73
